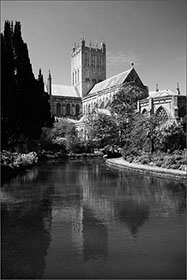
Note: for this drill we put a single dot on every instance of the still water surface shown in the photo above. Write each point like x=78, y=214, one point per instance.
x=74, y=219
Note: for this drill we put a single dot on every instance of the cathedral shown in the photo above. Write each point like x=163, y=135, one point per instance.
x=90, y=90
x=88, y=67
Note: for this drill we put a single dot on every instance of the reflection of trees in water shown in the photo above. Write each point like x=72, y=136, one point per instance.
x=133, y=213
x=178, y=189
x=25, y=238
x=131, y=196
x=164, y=196
x=95, y=237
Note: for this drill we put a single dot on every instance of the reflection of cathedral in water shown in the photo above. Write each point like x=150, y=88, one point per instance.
x=78, y=216
x=91, y=209
x=90, y=215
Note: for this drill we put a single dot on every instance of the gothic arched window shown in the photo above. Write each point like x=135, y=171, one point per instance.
x=64, y=110
x=73, y=109
x=68, y=109
x=161, y=114
x=77, y=109
x=58, y=108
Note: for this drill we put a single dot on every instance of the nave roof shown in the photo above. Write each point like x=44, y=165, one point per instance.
x=64, y=91
x=110, y=82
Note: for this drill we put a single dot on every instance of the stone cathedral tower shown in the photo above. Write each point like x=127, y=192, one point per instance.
x=88, y=66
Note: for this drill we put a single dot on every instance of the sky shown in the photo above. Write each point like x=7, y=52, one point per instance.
x=150, y=34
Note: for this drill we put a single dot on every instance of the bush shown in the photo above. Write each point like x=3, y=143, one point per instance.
x=132, y=151
x=112, y=151
x=144, y=161
x=25, y=159
x=17, y=159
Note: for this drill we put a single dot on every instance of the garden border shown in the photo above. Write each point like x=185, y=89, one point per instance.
x=154, y=170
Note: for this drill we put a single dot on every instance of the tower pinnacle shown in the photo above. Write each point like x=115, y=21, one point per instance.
x=49, y=76
x=157, y=89
x=178, y=89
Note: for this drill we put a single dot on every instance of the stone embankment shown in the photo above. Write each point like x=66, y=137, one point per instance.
x=146, y=169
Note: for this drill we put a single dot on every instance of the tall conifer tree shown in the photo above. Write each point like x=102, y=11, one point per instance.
x=25, y=106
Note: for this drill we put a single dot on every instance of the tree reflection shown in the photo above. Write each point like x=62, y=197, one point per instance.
x=133, y=213
x=25, y=239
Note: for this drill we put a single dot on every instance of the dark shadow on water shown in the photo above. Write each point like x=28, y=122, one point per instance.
x=25, y=238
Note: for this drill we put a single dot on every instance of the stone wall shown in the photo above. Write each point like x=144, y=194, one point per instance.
x=173, y=105
x=67, y=106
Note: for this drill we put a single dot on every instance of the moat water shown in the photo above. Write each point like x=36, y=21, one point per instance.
x=82, y=219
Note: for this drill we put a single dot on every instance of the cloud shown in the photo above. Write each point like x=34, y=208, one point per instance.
x=122, y=58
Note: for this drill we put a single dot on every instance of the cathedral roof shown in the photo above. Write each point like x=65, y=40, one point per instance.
x=110, y=82
x=160, y=93
x=64, y=91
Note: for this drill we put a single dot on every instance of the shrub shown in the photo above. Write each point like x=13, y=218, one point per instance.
x=18, y=159
x=132, y=151
x=144, y=161
x=112, y=151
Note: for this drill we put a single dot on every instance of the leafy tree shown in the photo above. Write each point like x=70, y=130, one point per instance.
x=171, y=136
x=63, y=135
x=123, y=108
x=101, y=129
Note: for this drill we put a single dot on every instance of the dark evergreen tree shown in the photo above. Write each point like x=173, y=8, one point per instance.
x=25, y=105
x=8, y=85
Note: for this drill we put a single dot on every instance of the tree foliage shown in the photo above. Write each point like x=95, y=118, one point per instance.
x=63, y=136
x=101, y=129
x=140, y=132
x=171, y=136
x=25, y=106
x=123, y=109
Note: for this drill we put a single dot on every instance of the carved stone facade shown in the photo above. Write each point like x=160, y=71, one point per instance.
x=167, y=105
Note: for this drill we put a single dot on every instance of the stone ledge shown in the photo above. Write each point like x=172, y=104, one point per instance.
x=161, y=172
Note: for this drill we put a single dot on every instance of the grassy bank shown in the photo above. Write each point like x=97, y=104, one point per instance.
x=175, y=160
